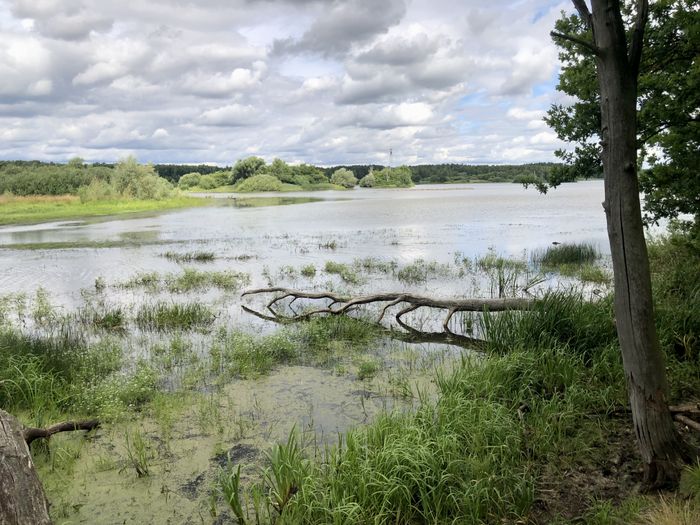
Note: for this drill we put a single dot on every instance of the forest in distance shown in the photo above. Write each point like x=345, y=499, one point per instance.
x=36, y=177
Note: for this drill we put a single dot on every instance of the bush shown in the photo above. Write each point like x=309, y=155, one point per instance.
x=24, y=178
x=259, y=183
x=368, y=181
x=248, y=167
x=189, y=180
x=97, y=190
x=133, y=180
x=343, y=177
x=388, y=178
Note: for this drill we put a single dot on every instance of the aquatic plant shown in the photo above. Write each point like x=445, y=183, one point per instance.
x=566, y=253
x=170, y=316
x=197, y=256
x=138, y=455
x=345, y=272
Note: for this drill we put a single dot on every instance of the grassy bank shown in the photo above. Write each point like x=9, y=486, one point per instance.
x=41, y=208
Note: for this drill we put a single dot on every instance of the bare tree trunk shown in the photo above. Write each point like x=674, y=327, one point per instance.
x=642, y=357
x=22, y=499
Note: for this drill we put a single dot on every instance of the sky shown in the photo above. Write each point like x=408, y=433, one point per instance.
x=320, y=81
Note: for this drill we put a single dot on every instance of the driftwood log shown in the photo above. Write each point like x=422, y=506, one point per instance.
x=22, y=498
x=337, y=304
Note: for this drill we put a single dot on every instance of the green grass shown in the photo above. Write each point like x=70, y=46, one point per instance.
x=419, y=271
x=190, y=279
x=236, y=354
x=26, y=210
x=308, y=271
x=174, y=316
x=198, y=256
x=51, y=374
x=562, y=254
x=345, y=271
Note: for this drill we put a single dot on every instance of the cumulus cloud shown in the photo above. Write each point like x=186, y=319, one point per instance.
x=342, y=24
x=233, y=115
x=322, y=81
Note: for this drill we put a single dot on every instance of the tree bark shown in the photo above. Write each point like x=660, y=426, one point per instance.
x=643, y=360
x=22, y=498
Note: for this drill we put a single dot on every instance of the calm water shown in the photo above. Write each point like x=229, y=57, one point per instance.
x=428, y=222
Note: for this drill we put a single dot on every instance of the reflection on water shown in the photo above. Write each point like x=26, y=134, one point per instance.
x=259, y=202
x=430, y=222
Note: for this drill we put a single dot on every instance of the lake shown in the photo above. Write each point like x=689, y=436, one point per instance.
x=430, y=222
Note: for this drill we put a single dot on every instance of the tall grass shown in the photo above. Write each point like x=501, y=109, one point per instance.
x=561, y=254
x=46, y=374
x=471, y=456
x=174, y=316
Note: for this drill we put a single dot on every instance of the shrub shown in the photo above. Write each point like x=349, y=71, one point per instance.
x=343, y=177
x=259, y=183
x=189, y=180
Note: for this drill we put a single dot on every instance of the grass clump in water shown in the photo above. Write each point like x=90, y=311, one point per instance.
x=198, y=256
x=237, y=354
x=346, y=272
x=562, y=254
x=191, y=279
x=174, y=316
x=308, y=271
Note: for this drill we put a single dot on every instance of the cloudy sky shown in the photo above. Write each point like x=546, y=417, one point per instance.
x=319, y=81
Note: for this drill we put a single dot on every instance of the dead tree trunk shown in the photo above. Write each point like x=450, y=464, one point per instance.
x=618, y=69
x=22, y=498
x=341, y=304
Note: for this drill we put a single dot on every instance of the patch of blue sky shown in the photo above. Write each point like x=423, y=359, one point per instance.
x=549, y=86
x=543, y=11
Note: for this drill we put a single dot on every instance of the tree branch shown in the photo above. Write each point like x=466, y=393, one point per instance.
x=583, y=11
x=635, y=52
x=31, y=434
x=579, y=41
x=340, y=305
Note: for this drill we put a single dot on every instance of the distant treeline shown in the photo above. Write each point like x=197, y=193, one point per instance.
x=173, y=172
x=35, y=177
x=448, y=173
x=454, y=173
x=126, y=179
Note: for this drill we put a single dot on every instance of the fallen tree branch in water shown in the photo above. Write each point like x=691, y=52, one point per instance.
x=342, y=304
x=31, y=434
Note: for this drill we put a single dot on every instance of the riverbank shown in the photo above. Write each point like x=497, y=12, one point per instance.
x=42, y=208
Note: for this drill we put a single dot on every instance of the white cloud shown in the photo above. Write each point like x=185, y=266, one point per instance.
x=306, y=80
x=229, y=116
